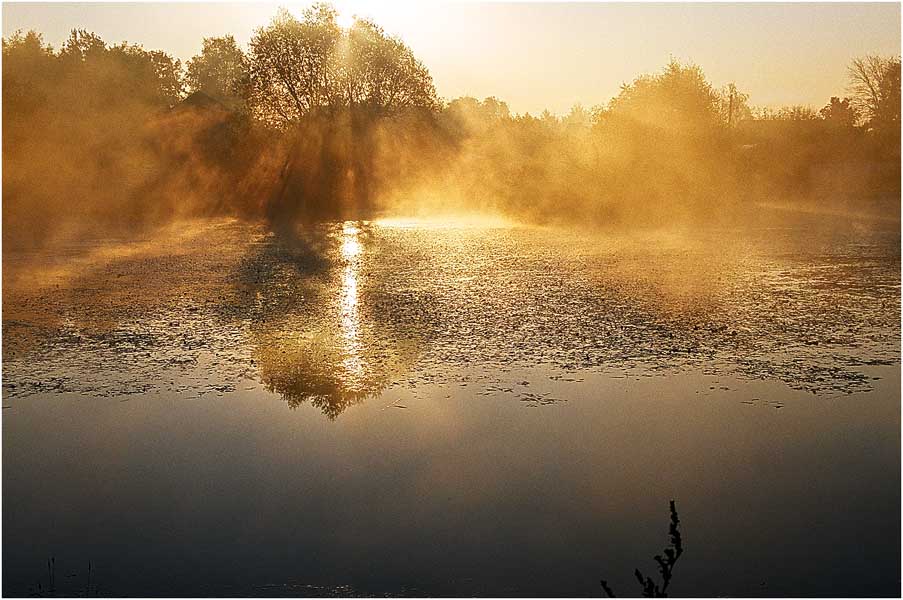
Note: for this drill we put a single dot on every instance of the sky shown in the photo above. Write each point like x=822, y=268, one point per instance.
x=537, y=55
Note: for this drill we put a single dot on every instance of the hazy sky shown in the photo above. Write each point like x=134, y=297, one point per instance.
x=544, y=55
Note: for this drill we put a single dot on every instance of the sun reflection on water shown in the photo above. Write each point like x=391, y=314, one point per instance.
x=351, y=250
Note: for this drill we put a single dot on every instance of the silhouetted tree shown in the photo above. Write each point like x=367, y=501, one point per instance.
x=840, y=113
x=292, y=67
x=467, y=116
x=875, y=90
x=125, y=70
x=29, y=77
x=550, y=120
x=82, y=46
x=679, y=98
x=299, y=67
x=334, y=121
x=220, y=70
x=380, y=72
x=794, y=112
x=577, y=119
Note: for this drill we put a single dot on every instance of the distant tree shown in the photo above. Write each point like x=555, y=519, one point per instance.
x=469, y=116
x=151, y=76
x=87, y=73
x=875, y=90
x=220, y=70
x=578, y=118
x=82, y=46
x=888, y=113
x=168, y=72
x=733, y=105
x=795, y=112
x=31, y=43
x=126, y=70
x=678, y=98
x=29, y=67
x=527, y=119
x=495, y=109
x=548, y=119
x=840, y=113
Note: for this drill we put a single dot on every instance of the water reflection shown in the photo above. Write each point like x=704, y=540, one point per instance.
x=302, y=369
x=326, y=317
x=350, y=318
x=334, y=313
x=333, y=346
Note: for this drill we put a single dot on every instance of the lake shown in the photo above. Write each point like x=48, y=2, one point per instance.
x=465, y=407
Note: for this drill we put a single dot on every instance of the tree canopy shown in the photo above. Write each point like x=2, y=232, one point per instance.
x=299, y=67
x=678, y=98
x=220, y=70
x=875, y=90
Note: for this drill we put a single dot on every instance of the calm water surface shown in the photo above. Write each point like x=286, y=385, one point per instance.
x=403, y=407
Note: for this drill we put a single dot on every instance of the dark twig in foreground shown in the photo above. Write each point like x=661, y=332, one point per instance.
x=665, y=563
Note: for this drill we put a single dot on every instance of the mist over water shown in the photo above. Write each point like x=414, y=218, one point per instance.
x=345, y=309
x=103, y=139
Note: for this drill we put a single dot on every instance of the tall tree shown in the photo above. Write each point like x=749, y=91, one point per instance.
x=292, y=67
x=299, y=67
x=381, y=73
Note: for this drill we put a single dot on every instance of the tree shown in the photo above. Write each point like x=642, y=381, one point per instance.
x=888, y=114
x=82, y=46
x=678, y=98
x=167, y=71
x=31, y=43
x=220, y=70
x=29, y=67
x=578, y=118
x=468, y=116
x=380, y=72
x=85, y=75
x=733, y=105
x=548, y=119
x=840, y=113
x=794, y=112
x=292, y=68
x=301, y=67
x=125, y=70
x=875, y=90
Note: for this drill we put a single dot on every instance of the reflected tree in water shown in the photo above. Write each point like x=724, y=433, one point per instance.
x=311, y=369
x=324, y=329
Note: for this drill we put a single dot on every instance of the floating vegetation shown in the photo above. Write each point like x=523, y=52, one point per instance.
x=342, y=313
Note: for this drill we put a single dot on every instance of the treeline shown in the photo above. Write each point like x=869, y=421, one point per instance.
x=315, y=121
